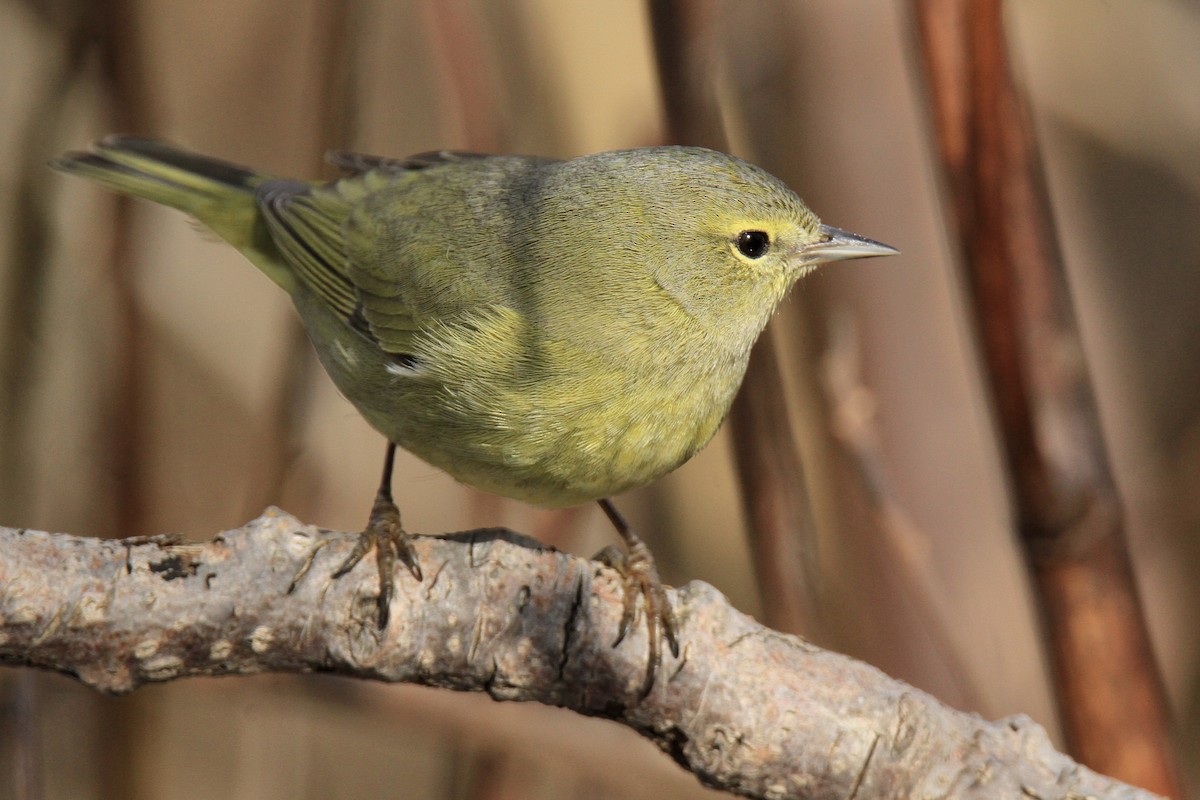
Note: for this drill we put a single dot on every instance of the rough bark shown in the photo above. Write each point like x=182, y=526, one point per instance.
x=744, y=708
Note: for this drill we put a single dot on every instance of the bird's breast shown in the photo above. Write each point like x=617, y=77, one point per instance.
x=626, y=426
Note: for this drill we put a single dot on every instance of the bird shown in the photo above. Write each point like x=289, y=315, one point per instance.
x=554, y=331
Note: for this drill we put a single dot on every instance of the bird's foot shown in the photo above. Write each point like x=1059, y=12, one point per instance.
x=639, y=575
x=391, y=542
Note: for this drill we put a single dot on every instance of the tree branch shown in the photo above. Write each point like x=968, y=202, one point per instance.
x=744, y=708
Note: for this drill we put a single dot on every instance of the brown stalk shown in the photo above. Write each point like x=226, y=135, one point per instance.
x=106, y=29
x=468, y=72
x=123, y=77
x=863, y=481
x=26, y=265
x=782, y=533
x=26, y=272
x=337, y=26
x=1069, y=516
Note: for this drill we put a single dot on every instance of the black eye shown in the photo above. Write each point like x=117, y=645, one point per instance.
x=753, y=244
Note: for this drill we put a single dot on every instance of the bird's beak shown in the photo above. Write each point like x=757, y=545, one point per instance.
x=838, y=245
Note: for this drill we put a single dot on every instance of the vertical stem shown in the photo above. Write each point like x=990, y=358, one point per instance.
x=782, y=532
x=469, y=73
x=124, y=81
x=26, y=264
x=336, y=26
x=1069, y=516
x=23, y=720
x=683, y=52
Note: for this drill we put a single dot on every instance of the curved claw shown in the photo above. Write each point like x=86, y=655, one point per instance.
x=386, y=535
x=639, y=576
x=390, y=541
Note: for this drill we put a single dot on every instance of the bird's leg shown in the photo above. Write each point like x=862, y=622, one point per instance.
x=640, y=576
x=390, y=540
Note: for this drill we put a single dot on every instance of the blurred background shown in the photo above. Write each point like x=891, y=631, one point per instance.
x=151, y=380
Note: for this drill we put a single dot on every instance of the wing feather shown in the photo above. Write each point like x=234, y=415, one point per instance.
x=307, y=231
x=402, y=245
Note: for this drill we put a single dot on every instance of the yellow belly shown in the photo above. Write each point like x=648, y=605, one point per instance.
x=580, y=430
x=565, y=454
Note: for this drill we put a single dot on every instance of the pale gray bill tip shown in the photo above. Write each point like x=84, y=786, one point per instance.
x=844, y=244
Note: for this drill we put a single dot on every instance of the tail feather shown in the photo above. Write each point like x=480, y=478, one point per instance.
x=219, y=194
x=187, y=166
x=144, y=168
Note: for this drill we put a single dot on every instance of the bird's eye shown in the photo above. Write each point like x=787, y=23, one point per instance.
x=753, y=244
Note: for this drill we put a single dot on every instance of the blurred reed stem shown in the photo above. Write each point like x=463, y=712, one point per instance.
x=123, y=76
x=337, y=26
x=26, y=265
x=1069, y=517
x=122, y=73
x=783, y=536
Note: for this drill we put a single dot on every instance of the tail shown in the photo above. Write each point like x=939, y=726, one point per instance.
x=219, y=194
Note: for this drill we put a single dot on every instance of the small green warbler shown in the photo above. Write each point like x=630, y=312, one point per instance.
x=553, y=331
